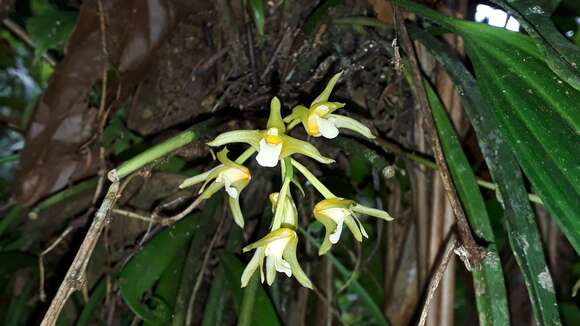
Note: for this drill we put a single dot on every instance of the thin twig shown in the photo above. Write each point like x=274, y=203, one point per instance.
x=133, y=215
x=182, y=214
x=23, y=35
x=216, y=236
x=75, y=276
x=322, y=297
x=289, y=32
x=428, y=162
x=436, y=279
x=103, y=112
x=462, y=225
x=41, y=259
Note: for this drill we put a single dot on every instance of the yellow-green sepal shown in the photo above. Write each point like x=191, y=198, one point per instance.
x=251, y=137
x=211, y=189
x=299, y=115
x=290, y=256
x=329, y=228
x=344, y=122
x=275, y=118
x=236, y=210
x=371, y=212
x=355, y=227
x=255, y=263
x=274, y=235
x=295, y=146
x=192, y=181
x=323, y=97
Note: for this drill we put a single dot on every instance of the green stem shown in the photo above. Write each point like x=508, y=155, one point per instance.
x=248, y=301
x=9, y=158
x=160, y=150
x=245, y=155
x=11, y=217
x=64, y=195
x=354, y=284
x=313, y=180
x=287, y=174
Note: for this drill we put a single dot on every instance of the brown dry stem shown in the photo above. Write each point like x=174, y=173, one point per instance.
x=463, y=228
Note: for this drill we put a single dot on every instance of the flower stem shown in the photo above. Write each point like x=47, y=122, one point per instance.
x=248, y=301
x=287, y=174
x=63, y=195
x=160, y=150
x=313, y=180
x=245, y=155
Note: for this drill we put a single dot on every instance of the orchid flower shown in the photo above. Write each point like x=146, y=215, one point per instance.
x=231, y=176
x=319, y=120
x=333, y=213
x=289, y=211
x=278, y=248
x=272, y=144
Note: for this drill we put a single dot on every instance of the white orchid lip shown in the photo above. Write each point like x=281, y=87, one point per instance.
x=229, y=177
x=338, y=215
x=268, y=154
x=327, y=127
x=274, y=251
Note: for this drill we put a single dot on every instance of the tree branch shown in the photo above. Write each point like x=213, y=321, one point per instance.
x=463, y=228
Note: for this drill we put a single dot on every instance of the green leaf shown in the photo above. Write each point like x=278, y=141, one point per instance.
x=95, y=300
x=19, y=309
x=537, y=112
x=214, y=309
x=570, y=313
x=50, y=29
x=11, y=217
x=40, y=6
x=264, y=311
x=488, y=278
x=354, y=285
x=257, y=9
x=560, y=54
x=117, y=136
x=320, y=14
x=146, y=268
x=12, y=262
x=520, y=224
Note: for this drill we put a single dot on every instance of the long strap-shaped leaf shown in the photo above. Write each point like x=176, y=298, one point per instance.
x=537, y=112
x=560, y=54
x=521, y=227
x=488, y=276
x=354, y=284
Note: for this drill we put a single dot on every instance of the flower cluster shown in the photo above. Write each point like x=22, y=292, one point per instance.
x=278, y=248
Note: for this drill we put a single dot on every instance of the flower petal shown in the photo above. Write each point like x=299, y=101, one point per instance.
x=268, y=154
x=290, y=256
x=342, y=121
x=236, y=211
x=327, y=128
x=334, y=237
x=251, y=137
x=252, y=266
x=272, y=236
x=270, y=270
x=329, y=227
x=211, y=190
x=232, y=191
x=323, y=97
x=371, y=212
x=275, y=118
x=282, y=266
x=355, y=227
x=293, y=145
x=196, y=179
